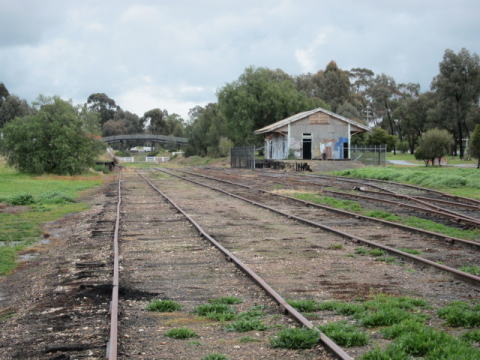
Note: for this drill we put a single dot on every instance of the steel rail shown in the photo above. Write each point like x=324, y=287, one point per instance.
x=343, y=178
x=434, y=208
x=395, y=203
x=446, y=202
x=112, y=344
x=329, y=343
x=448, y=239
x=461, y=274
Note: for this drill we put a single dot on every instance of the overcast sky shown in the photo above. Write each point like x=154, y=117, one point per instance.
x=176, y=54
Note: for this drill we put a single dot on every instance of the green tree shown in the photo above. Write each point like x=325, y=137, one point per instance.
x=474, y=146
x=260, y=97
x=334, y=86
x=132, y=122
x=11, y=107
x=458, y=85
x=157, y=121
x=52, y=140
x=3, y=93
x=379, y=136
x=102, y=104
x=434, y=144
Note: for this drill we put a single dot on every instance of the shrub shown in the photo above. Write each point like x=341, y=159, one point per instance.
x=181, y=333
x=296, y=338
x=345, y=334
x=164, y=306
x=434, y=144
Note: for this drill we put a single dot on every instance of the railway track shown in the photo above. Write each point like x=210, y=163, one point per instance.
x=456, y=212
x=141, y=250
x=453, y=257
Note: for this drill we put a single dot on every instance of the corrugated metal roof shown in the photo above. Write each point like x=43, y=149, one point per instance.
x=305, y=114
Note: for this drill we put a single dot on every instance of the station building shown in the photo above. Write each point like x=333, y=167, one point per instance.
x=314, y=134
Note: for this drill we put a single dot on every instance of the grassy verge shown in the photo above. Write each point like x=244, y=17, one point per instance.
x=457, y=181
x=45, y=198
x=414, y=221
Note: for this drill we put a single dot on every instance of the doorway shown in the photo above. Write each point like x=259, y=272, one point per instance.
x=307, y=149
x=345, y=150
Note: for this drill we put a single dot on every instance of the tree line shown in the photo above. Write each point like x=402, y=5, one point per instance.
x=399, y=112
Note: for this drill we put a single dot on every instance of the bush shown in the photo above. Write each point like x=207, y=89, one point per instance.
x=164, y=306
x=50, y=141
x=434, y=144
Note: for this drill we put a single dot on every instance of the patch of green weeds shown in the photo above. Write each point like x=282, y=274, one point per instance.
x=361, y=251
x=254, y=312
x=163, y=306
x=403, y=327
x=386, y=316
x=227, y=300
x=247, y=324
x=345, y=334
x=460, y=314
x=387, y=259
x=6, y=315
x=410, y=251
x=215, y=357
x=21, y=199
x=304, y=305
x=218, y=312
x=194, y=343
x=391, y=353
x=472, y=336
x=181, y=333
x=379, y=214
x=376, y=252
x=295, y=338
x=247, y=339
x=471, y=269
x=335, y=246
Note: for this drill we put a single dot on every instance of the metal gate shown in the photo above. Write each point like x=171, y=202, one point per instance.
x=243, y=157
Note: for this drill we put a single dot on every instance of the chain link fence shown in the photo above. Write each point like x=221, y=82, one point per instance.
x=372, y=155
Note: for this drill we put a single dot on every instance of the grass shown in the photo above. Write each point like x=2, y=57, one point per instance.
x=181, y=333
x=304, y=305
x=335, y=246
x=472, y=336
x=295, y=338
x=163, y=306
x=218, y=312
x=413, y=221
x=227, y=300
x=248, y=339
x=471, y=269
x=457, y=181
x=247, y=324
x=460, y=314
x=410, y=251
x=47, y=198
x=345, y=334
x=215, y=357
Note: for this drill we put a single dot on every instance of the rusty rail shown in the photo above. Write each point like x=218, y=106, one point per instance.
x=112, y=345
x=444, y=194
x=461, y=274
x=457, y=217
x=446, y=238
x=337, y=350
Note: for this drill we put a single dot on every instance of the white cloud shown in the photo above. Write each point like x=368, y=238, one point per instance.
x=306, y=56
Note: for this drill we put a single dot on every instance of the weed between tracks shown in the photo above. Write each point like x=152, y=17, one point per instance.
x=402, y=320
x=163, y=306
x=181, y=333
x=413, y=221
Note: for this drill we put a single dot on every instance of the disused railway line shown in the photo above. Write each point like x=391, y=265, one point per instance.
x=247, y=193
x=465, y=213
x=113, y=343
x=381, y=197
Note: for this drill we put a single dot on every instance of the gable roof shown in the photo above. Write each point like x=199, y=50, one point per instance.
x=305, y=114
